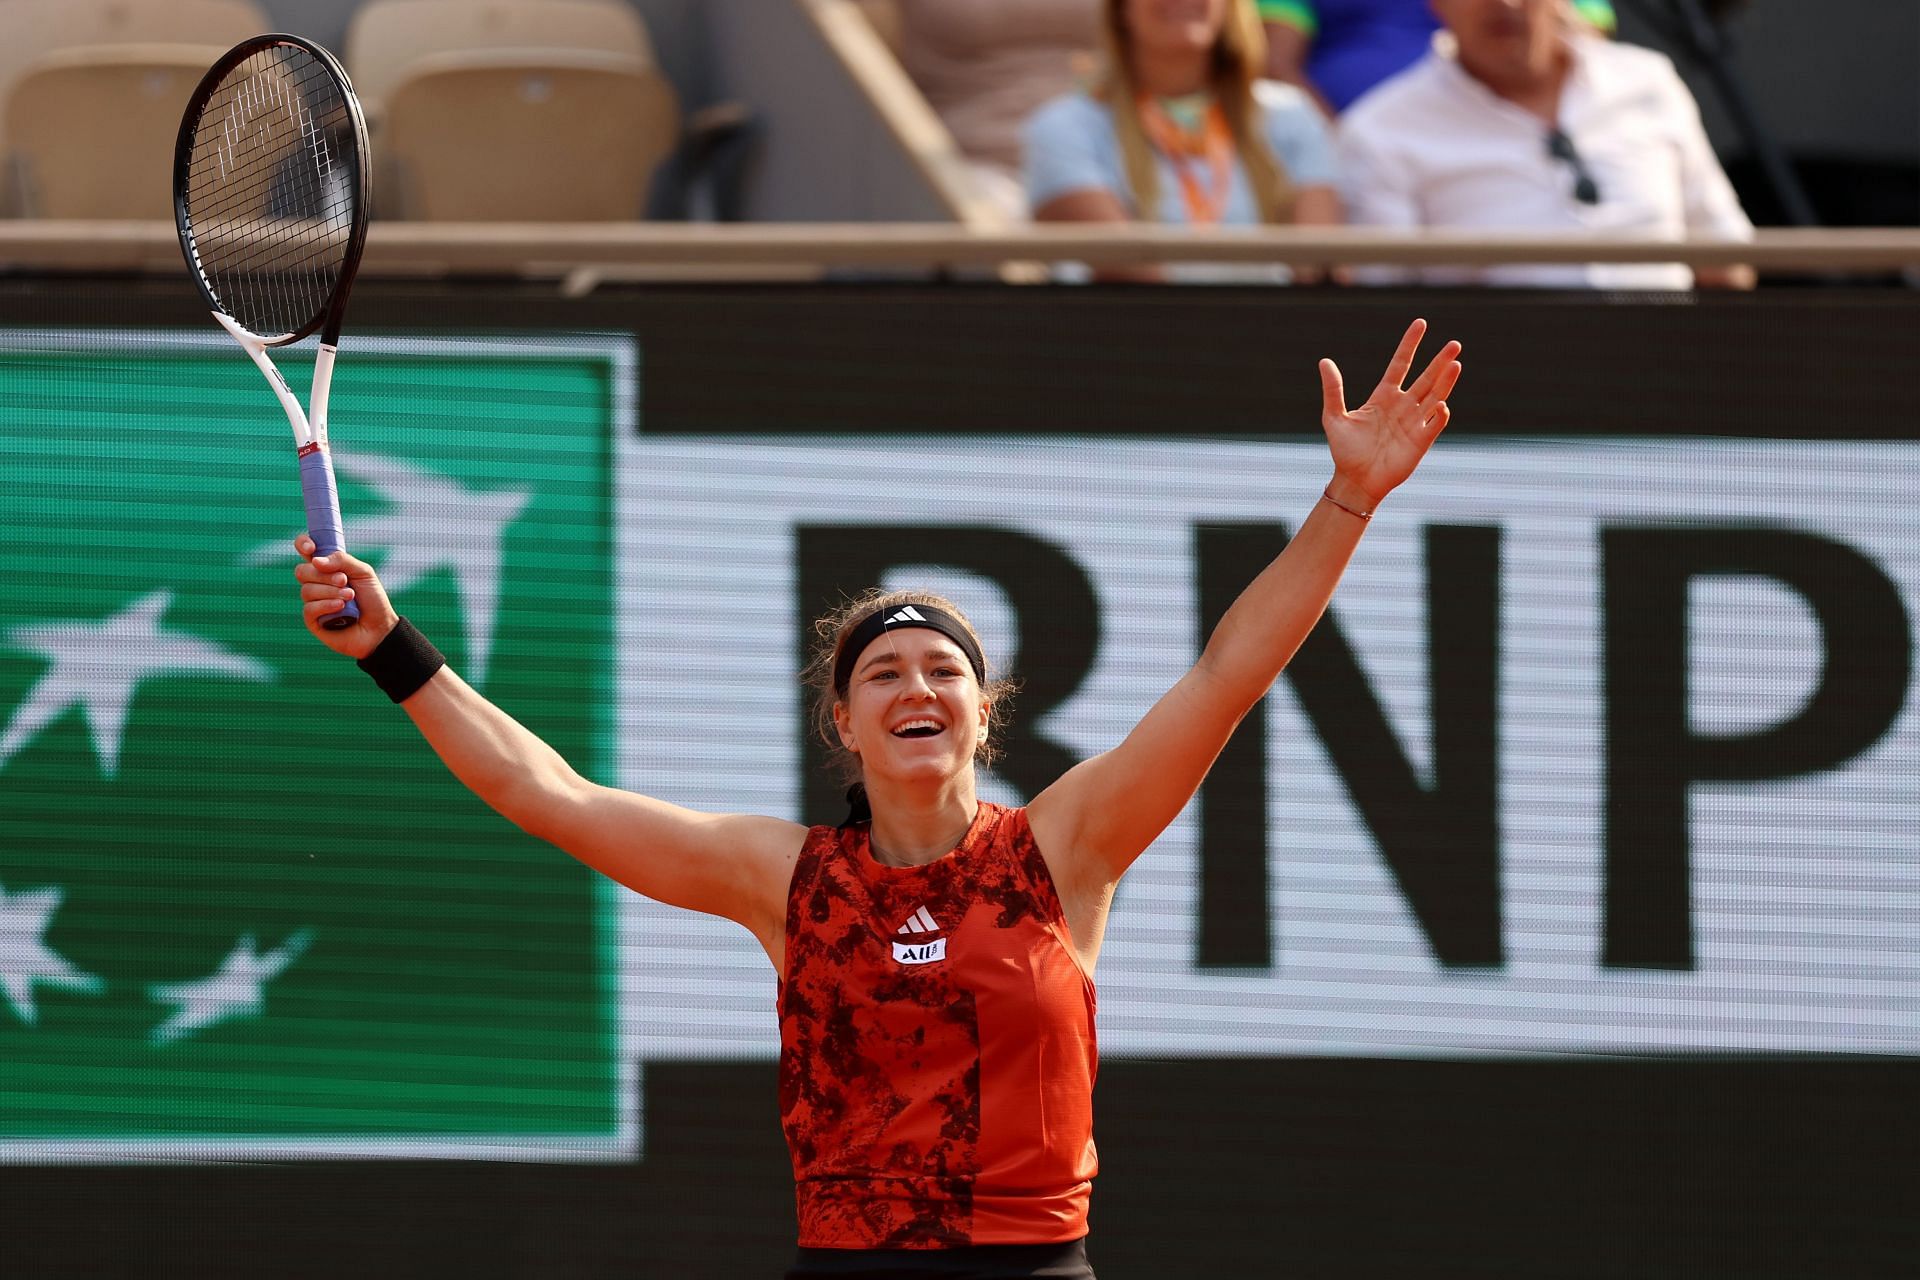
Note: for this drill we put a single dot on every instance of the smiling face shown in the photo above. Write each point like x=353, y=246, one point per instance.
x=912, y=710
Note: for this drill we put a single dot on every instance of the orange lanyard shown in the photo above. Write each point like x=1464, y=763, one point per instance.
x=1213, y=145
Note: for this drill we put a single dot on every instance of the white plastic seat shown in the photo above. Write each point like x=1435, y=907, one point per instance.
x=90, y=131
x=387, y=36
x=31, y=29
x=531, y=135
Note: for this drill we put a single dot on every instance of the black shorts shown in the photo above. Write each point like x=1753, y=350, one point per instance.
x=969, y=1262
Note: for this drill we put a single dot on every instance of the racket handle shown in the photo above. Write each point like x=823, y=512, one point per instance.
x=323, y=520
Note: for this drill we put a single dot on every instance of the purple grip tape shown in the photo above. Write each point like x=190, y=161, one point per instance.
x=323, y=521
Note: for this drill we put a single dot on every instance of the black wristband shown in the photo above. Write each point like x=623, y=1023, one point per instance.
x=403, y=662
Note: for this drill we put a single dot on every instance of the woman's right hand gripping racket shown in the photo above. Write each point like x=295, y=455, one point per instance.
x=270, y=190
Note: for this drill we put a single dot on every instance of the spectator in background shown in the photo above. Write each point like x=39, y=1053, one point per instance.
x=986, y=65
x=1179, y=128
x=1338, y=49
x=1521, y=118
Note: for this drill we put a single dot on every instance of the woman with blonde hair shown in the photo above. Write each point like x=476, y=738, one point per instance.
x=1179, y=128
x=936, y=951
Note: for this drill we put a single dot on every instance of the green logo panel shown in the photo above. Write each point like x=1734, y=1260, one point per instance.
x=243, y=909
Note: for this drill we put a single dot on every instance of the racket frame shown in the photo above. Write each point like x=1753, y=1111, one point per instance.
x=318, y=486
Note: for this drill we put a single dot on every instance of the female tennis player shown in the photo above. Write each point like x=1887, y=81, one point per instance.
x=936, y=952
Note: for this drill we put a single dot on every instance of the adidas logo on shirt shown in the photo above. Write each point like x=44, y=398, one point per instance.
x=920, y=922
x=921, y=947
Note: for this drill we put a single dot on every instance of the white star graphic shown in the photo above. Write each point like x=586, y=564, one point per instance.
x=24, y=956
x=98, y=665
x=432, y=522
x=237, y=989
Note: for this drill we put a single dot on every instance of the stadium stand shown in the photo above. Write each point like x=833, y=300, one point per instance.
x=839, y=159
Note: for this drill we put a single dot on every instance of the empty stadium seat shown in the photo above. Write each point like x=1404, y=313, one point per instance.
x=89, y=131
x=31, y=29
x=524, y=135
x=386, y=36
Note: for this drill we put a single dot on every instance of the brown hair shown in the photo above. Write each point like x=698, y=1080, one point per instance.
x=830, y=632
x=1239, y=58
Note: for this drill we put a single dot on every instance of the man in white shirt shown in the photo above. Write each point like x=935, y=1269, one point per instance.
x=1521, y=119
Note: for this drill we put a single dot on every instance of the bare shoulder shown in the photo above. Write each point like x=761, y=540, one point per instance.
x=768, y=850
x=778, y=843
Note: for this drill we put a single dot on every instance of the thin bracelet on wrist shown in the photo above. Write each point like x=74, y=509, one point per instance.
x=1327, y=496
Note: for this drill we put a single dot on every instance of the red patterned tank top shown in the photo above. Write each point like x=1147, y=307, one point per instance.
x=937, y=1048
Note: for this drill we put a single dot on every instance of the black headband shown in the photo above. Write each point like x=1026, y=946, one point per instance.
x=895, y=617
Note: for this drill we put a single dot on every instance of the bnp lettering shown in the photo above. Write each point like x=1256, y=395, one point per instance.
x=1440, y=837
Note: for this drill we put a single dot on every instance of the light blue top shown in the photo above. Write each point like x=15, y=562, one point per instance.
x=1070, y=146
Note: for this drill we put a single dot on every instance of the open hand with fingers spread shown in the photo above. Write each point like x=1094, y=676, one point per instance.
x=1378, y=444
x=327, y=583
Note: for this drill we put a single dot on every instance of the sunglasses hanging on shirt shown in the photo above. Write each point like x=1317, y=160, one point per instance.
x=1560, y=147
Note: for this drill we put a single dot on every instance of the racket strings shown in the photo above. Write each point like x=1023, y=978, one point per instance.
x=271, y=190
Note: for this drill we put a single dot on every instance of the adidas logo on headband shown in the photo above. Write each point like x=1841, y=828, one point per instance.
x=925, y=615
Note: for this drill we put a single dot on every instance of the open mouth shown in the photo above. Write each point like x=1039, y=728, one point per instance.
x=919, y=729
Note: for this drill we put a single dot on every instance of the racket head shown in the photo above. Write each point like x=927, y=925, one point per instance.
x=271, y=188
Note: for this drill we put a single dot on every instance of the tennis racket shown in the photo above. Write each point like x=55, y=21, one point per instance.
x=270, y=191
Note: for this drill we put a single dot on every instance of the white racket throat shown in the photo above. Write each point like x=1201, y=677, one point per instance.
x=309, y=429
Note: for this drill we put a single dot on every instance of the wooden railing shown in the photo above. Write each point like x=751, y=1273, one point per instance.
x=587, y=252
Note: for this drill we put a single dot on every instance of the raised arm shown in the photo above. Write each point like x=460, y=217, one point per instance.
x=726, y=865
x=1105, y=811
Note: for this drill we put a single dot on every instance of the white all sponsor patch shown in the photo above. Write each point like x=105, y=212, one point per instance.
x=920, y=952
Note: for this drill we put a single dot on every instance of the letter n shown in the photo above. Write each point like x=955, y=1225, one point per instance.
x=1440, y=839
